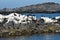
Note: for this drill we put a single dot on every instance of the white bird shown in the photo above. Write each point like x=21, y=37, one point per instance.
x=48, y=20
x=58, y=17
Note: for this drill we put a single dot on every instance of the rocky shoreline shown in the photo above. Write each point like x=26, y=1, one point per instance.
x=17, y=25
x=29, y=30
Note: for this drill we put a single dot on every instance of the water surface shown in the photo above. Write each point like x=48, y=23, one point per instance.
x=35, y=37
x=51, y=15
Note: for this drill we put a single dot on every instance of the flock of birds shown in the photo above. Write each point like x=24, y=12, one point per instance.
x=17, y=19
x=51, y=20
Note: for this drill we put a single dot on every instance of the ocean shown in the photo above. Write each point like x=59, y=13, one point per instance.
x=35, y=37
x=50, y=15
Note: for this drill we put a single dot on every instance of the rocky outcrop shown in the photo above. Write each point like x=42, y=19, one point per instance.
x=16, y=24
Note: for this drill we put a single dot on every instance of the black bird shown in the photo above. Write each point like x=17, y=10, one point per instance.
x=4, y=21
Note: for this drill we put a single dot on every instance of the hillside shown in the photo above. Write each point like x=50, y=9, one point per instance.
x=49, y=7
x=45, y=7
